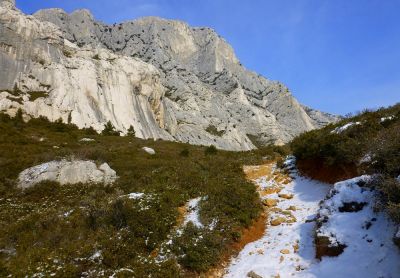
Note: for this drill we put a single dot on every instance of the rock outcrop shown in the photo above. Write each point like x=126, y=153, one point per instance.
x=149, y=150
x=346, y=198
x=67, y=172
x=163, y=77
x=46, y=75
x=10, y=4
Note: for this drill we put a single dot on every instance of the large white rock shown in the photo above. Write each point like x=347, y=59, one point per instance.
x=163, y=77
x=149, y=150
x=67, y=172
x=7, y=3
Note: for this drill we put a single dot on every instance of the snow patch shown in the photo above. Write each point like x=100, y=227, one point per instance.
x=398, y=233
x=144, y=200
x=366, y=159
x=341, y=129
x=87, y=140
x=346, y=192
x=121, y=270
x=193, y=214
x=367, y=235
x=384, y=119
x=96, y=256
x=135, y=196
x=68, y=213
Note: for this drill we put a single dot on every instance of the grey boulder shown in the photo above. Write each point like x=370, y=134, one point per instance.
x=67, y=172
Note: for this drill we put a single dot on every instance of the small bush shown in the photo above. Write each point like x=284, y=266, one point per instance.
x=214, y=131
x=211, y=150
x=390, y=196
x=184, y=152
x=131, y=131
x=280, y=163
x=19, y=120
x=67, y=53
x=201, y=249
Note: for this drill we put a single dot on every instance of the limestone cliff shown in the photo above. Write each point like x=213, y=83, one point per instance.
x=165, y=78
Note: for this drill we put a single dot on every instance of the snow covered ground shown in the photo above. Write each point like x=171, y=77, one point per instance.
x=274, y=254
x=370, y=250
x=193, y=214
x=287, y=249
x=389, y=118
x=341, y=129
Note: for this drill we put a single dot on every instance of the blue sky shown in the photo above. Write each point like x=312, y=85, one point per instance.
x=339, y=56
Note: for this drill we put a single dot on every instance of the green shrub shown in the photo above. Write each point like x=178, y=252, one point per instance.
x=199, y=249
x=131, y=131
x=109, y=130
x=184, y=152
x=19, y=120
x=211, y=150
x=214, y=131
x=374, y=137
x=385, y=148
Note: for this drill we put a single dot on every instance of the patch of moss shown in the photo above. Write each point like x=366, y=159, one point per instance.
x=67, y=53
x=37, y=94
x=256, y=140
x=214, y=131
x=16, y=99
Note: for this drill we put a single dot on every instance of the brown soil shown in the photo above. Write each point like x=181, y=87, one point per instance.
x=316, y=169
x=182, y=211
x=324, y=248
x=255, y=172
x=251, y=234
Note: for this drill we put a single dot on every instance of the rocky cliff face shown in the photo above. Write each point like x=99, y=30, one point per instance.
x=165, y=78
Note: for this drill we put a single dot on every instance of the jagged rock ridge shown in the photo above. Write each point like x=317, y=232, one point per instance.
x=163, y=77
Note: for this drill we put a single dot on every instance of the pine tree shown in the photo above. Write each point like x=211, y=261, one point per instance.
x=109, y=130
x=19, y=115
x=70, y=118
x=131, y=131
x=19, y=119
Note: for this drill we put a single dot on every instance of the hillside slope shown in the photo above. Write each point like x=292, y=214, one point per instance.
x=367, y=143
x=163, y=77
x=169, y=213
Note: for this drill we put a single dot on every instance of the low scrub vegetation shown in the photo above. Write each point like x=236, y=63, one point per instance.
x=365, y=143
x=214, y=131
x=97, y=229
